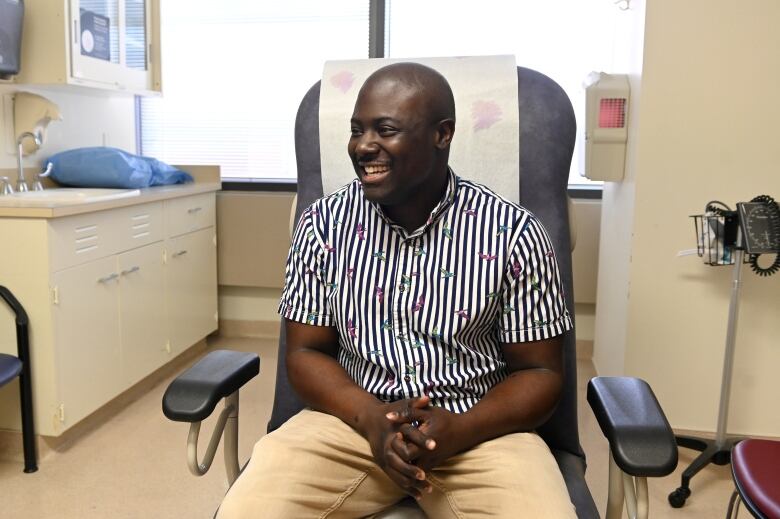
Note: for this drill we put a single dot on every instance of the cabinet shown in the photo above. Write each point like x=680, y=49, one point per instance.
x=191, y=297
x=87, y=332
x=112, y=296
x=143, y=327
x=106, y=44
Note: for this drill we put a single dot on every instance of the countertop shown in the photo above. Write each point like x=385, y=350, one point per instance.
x=206, y=180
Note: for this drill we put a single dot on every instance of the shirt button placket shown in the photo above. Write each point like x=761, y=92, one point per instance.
x=405, y=315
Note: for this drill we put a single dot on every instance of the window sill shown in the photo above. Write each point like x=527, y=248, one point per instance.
x=260, y=184
x=290, y=186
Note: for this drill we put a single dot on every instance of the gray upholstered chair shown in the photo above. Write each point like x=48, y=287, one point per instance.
x=641, y=440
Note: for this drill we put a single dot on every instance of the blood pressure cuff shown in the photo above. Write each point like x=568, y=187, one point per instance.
x=112, y=168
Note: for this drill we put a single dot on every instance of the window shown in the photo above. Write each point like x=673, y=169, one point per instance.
x=564, y=39
x=234, y=73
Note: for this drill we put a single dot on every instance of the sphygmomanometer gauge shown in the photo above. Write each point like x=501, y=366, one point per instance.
x=760, y=224
x=757, y=225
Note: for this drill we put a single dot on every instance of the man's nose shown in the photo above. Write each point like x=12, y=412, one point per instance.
x=366, y=144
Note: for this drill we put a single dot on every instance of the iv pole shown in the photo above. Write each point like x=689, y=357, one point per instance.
x=716, y=451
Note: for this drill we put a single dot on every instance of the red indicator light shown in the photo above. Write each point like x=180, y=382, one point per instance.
x=612, y=113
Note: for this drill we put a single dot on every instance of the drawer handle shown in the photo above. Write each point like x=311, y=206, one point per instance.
x=108, y=278
x=179, y=253
x=194, y=210
x=131, y=270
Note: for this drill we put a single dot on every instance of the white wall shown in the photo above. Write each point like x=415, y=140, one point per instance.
x=706, y=129
x=617, y=217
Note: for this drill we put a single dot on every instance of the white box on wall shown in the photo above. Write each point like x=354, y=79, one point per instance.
x=606, y=125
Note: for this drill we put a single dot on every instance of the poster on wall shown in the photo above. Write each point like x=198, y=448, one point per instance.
x=95, y=35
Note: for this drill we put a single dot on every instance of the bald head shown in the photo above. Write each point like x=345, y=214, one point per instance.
x=401, y=130
x=424, y=82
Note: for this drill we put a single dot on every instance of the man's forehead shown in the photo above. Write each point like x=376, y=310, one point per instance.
x=396, y=98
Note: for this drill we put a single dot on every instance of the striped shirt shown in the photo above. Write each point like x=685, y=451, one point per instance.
x=425, y=312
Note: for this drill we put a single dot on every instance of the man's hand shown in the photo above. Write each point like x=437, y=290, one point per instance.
x=381, y=433
x=429, y=436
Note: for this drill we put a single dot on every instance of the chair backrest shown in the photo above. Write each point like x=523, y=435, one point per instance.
x=547, y=134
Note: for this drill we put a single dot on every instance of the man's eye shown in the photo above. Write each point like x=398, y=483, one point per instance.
x=387, y=130
x=355, y=132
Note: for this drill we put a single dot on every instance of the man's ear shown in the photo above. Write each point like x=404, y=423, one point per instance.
x=444, y=132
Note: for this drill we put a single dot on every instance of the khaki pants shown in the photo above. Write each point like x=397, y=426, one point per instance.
x=315, y=465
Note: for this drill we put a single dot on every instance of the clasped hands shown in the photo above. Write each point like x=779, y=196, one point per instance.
x=410, y=437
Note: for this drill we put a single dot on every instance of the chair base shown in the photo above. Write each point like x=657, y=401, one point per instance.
x=712, y=451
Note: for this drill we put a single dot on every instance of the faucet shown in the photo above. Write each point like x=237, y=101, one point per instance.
x=8, y=189
x=21, y=183
x=38, y=184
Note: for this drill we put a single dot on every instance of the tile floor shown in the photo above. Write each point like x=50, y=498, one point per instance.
x=134, y=466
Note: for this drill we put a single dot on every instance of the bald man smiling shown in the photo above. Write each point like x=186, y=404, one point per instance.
x=424, y=316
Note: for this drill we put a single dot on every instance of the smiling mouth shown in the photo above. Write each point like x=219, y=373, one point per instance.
x=374, y=172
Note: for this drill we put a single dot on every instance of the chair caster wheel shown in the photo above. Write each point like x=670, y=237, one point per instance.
x=678, y=497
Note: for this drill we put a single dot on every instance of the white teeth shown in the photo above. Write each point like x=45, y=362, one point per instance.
x=375, y=170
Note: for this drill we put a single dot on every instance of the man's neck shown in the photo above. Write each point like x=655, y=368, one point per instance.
x=411, y=216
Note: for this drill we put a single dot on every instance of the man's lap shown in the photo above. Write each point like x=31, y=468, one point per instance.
x=315, y=465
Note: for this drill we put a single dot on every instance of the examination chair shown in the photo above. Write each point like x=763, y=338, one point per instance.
x=641, y=441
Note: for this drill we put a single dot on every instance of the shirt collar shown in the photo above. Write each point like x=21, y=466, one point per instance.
x=436, y=213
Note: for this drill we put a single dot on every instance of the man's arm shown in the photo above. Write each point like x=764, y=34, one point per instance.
x=521, y=402
x=324, y=385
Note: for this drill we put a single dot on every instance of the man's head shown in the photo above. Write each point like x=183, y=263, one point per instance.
x=403, y=123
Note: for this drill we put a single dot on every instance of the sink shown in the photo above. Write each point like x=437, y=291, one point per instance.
x=65, y=196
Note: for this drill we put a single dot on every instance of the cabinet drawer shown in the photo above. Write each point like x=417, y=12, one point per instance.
x=140, y=225
x=190, y=213
x=81, y=238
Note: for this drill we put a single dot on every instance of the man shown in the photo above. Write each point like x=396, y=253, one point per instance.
x=424, y=316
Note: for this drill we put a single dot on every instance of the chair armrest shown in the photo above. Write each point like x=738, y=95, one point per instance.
x=192, y=396
x=640, y=438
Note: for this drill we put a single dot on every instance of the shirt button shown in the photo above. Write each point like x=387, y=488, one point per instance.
x=407, y=378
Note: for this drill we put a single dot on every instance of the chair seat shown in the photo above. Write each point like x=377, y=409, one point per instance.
x=755, y=466
x=10, y=367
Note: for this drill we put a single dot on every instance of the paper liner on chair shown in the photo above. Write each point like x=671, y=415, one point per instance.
x=486, y=142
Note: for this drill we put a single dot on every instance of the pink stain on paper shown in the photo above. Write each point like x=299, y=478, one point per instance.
x=485, y=114
x=343, y=80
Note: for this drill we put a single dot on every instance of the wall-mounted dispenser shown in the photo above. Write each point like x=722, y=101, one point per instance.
x=33, y=113
x=11, y=16
x=606, y=125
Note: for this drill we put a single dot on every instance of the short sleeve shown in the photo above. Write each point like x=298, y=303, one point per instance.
x=306, y=284
x=533, y=298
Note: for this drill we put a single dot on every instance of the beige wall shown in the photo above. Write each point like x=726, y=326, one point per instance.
x=88, y=120
x=707, y=129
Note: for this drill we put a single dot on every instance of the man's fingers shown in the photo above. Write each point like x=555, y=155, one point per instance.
x=420, y=402
x=417, y=437
x=407, y=451
x=408, y=412
x=408, y=470
x=411, y=479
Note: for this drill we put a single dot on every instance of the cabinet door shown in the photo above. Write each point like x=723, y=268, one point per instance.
x=110, y=42
x=142, y=312
x=191, y=276
x=86, y=332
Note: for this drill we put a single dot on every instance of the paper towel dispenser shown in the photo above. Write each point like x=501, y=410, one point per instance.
x=606, y=125
x=11, y=16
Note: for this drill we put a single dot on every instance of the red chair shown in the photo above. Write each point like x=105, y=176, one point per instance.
x=755, y=465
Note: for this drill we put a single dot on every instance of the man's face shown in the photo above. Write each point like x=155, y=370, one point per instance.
x=392, y=142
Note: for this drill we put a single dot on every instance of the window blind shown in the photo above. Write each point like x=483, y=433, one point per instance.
x=234, y=73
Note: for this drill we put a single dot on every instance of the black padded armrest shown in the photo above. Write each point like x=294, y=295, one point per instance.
x=640, y=438
x=192, y=396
